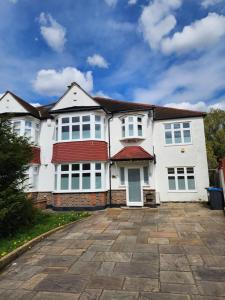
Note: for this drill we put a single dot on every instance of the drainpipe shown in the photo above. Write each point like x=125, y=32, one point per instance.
x=110, y=165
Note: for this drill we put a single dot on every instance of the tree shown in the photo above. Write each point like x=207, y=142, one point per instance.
x=15, y=154
x=215, y=136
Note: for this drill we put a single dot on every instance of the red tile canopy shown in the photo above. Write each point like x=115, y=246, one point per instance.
x=132, y=153
x=36, y=155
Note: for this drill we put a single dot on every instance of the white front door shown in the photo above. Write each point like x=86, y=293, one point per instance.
x=134, y=189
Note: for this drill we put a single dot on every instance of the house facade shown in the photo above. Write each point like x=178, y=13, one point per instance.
x=90, y=152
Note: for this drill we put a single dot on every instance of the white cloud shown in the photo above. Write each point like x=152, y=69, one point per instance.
x=207, y=3
x=101, y=94
x=197, y=36
x=111, y=3
x=196, y=80
x=132, y=2
x=97, y=61
x=35, y=104
x=53, y=83
x=198, y=106
x=157, y=21
x=53, y=33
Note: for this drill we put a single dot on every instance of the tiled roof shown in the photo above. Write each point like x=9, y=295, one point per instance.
x=36, y=155
x=132, y=153
x=114, y=106
x=163, y=113
x=80, y=151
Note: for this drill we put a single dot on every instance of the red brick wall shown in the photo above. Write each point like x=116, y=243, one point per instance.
x=119, y=197
x=80, y=200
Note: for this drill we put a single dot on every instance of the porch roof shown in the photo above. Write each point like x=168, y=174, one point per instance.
x=132, y=153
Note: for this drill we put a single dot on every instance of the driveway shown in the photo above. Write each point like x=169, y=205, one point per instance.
x=176, y=252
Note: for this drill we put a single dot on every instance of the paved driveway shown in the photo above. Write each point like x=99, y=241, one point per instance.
x=174, y=252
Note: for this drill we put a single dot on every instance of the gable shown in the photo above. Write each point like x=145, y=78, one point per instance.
x=8, y=104
x=75, y=96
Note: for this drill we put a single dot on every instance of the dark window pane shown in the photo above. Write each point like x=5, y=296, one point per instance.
x=181, y=183
x=75, y=119
x=65, y=120
x=75, y=167
x=168, y=137
x=86, y=118
x=190, y=170
x=172, y=183
x=97, y=118
x=139, y=130
x=75, y=181
x=76, y=132
x=186, y=125
x=139, y=119
x=171, y=171
x=97, y=166
x=176, y=125
x=64, y=167
x=65, y=132
x=180, y=170
x=146, y=178
x=177, y=136
x=167, y=126
x=86, y=167
x=64, y=181
x=86, y=181
x=86, y=131
x=98, y=180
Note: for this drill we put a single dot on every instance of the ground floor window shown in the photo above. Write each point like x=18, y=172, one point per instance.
x=79, y=177
x=32, y=177
x=181, y=179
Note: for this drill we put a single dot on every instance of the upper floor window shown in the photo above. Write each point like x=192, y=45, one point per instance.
x=79, y=177
x=177, y=133
x=132, y=127
x=27, y=128
x=79, y=127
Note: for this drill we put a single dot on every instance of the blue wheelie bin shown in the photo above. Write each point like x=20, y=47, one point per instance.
x=216, y=198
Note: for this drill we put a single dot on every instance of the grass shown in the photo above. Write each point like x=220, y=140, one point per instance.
x=43, y=223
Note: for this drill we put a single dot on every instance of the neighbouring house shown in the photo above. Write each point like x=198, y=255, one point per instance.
x=91, y=152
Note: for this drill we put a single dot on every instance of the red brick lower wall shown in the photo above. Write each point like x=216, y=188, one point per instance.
x=118, y=197
x=80, y=200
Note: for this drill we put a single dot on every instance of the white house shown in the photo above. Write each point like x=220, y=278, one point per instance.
x=91, y=152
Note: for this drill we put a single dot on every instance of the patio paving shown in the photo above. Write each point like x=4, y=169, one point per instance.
x=174, y=252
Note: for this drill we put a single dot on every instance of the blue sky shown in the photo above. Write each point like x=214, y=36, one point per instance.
x=165, y=52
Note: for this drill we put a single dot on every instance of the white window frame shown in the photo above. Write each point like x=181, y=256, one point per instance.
x=185, y=175
x=173, y=130
x=126, y=121
x=92, y=123
x=92, y=171
x=32, y=173
x=34, y=129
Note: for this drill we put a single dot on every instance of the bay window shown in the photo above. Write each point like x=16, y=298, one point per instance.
x=32, y=177
x=132, y=127
x=79, y=177
x=181, y=179
x=79, y=128
x=26, y=128
x=177, y=133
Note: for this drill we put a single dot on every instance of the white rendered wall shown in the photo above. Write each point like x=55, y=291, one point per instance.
x=171, y=156
x=75, y=96
x=8, y=104
x=46, y=170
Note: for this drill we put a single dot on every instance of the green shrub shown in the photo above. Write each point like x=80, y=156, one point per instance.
x=16, y=211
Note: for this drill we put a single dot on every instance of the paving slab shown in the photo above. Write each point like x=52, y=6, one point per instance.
x=173, y=252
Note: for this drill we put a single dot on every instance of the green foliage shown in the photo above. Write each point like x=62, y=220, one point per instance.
x=15, y=155
x=215, y=136
x=43, y=222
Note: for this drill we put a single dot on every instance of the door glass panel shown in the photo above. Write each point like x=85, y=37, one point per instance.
x=134, y=185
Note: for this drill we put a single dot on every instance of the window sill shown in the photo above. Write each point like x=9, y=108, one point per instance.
x=79, y=192
x=134, y=138
x=183, y=191
x=81, y=140
x=179, y=145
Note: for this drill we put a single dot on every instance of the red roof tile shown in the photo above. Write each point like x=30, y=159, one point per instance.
x=36, y=155
x=80, y=151
x=132, y=153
